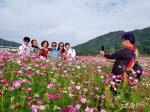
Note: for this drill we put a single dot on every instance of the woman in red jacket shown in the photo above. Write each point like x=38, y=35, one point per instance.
x=44, y=51
x=62, y=50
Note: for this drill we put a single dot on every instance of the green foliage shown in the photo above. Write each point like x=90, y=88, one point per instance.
x=112, y=43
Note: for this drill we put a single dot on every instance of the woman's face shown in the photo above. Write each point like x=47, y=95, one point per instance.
x=54, y=46
x=35, y=43
x=45, y=45
x=61, y=46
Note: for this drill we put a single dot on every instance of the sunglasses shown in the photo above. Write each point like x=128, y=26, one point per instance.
x=54, y=45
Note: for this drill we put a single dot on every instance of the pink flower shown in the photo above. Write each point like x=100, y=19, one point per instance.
x=78, y=106
x=58, y=69
x=51, y=96
x=143, y=74
x=104, y=81
x=69, y=69
x=58, y=96
x=35, y=108
x=29, y=89
x=1, y=56
x=29, y=73
x=83, y=100
x=85, y=90
x=11, y=88
x=16, y=84
x=87, y=82
x=72, y=109
x=100, y=72
x=19, y=72
x=29, y=97
x=119, y=76
x=24, y=81
x=112, y=83
x=96, y=88
x=111, y=75
x=5, y=82
x=64, y=111
x=136, y=90
x=89, y=109
x=29, y=103
x=50, y=86
x=1, y=72
x=67, y=75
x=39, y=101
x=103, y=110
x=103, y=96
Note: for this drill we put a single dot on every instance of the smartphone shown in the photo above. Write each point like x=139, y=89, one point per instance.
x=102, y=48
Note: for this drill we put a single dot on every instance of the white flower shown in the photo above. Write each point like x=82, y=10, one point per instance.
x=38, y=71
x=18, y=61
x=71, y=95
x=115, y=89
x=28, y=67
x=56, y=108
x=65, y=71
x=99, y=67
x=69, y=88
x=78, y=87
x=72, y=82
x=36, y=95
x=42, y=107
x=114, y=77
x=102, y=77
x=78, y=67
x=64, y=91
x=47, y=60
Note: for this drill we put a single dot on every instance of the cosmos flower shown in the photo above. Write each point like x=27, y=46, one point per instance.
x=51, y=96
x=29, y=73
x=16, y=84
x=50, y=86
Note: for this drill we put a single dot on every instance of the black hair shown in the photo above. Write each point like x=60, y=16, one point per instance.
x=129, y=36
x=44, y=42
x=32, y=41
x=27, y=39
x=67, y=44
x=54, y=43
x=63, y=50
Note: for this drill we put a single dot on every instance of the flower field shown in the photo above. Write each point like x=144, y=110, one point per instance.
x=31, y=84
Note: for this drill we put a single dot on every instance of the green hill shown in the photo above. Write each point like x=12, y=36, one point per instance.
x=112, y=43
x=8, y=43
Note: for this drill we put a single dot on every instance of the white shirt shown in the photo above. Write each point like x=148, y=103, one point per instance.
x=71, y=52
x=23, y=49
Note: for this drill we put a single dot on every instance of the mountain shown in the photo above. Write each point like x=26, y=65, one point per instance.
x=8, y=43
x=112, y=43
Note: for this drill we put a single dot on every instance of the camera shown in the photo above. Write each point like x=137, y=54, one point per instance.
x=102, y=48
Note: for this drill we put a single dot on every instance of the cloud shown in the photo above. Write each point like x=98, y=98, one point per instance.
x=74, y=21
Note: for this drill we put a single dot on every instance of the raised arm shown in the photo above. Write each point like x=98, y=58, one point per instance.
x=118, y=55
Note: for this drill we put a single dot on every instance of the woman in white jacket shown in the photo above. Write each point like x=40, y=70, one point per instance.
x=25, y=48
x=71, y=53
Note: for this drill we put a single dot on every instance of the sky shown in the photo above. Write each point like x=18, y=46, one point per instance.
x=73, y=21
